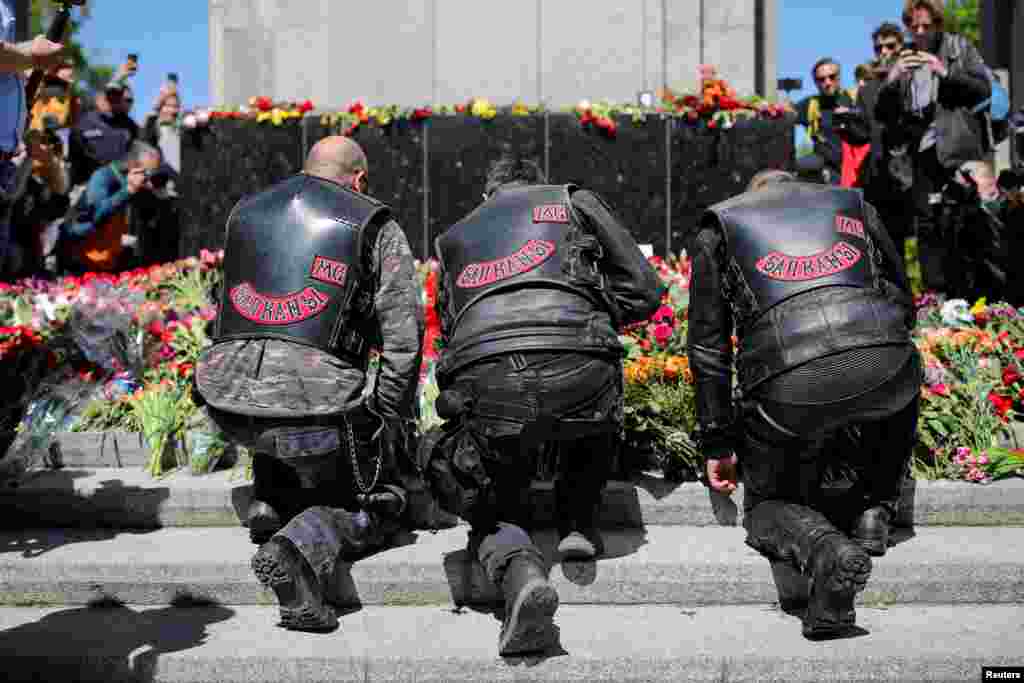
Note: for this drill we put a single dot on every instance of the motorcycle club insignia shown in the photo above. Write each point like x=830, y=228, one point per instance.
x=277, y=310
x=329, y=271
x=551, y=213
x=526, y=258
x=837, y=258
x=850, y=226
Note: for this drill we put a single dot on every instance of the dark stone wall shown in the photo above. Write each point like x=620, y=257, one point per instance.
x=231, y=158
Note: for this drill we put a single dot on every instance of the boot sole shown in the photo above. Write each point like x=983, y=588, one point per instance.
x=875, y=548
x=530, y=626
x=848, y=577
x=302, y=617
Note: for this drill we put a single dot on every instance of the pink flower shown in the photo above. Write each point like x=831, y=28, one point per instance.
x=664, y=314
x=662, y=333
x=939, y=389
x=983, y=459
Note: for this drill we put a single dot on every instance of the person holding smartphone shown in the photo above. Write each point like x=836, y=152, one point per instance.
x=934, y=95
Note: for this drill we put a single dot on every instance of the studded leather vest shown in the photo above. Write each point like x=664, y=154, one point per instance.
x=521, y=274
x=293, y=265
x=803, y=276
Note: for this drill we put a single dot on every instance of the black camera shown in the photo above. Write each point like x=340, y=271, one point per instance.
x=158, y=177
x=1012, y=178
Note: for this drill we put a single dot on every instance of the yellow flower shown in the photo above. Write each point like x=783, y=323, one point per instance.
x=978, y=307
x=483, y=108
x=277, y=117
x=263, y=116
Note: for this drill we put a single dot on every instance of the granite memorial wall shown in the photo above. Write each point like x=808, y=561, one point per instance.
x=659, y=174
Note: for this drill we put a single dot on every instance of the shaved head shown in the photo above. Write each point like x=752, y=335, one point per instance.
x=336, y=158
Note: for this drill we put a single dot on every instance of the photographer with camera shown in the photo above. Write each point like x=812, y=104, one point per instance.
x=818, y=114
x=42, y=200
x=15, y=58
x=930, y=96
x=91, y=239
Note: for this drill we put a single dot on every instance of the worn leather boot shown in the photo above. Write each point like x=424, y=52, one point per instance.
x=280, y=567
x=839, y=570
x=263, y=521
x=871, y=530
x=530, y=605
x=836, y=568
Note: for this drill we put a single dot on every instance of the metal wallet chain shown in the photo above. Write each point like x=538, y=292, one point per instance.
x=356, y=472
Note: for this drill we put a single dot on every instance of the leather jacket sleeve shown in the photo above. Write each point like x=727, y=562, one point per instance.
x=967, y=83
x=632, y=282
x=399, y=317
x=893, y=271
x=709, y=346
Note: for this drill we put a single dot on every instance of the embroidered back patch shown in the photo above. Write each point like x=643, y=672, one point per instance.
x=850, y=226
x=837, y=258
x=277, y=310
x=526, y=258
x=551, y=213
x=328, y=270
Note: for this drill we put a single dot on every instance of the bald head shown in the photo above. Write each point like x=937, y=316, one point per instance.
x=337, y=158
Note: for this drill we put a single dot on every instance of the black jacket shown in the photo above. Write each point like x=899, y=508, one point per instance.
x=962, y=135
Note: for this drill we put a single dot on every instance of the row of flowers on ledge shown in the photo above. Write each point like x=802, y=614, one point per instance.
x=715, y=105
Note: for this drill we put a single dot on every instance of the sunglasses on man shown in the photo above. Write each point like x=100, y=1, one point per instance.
x=887, y=46
x=834, y=76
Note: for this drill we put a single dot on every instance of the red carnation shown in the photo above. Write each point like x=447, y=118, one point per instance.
x=1011, y=375
x=306, y=106
x=1002, y=405
x=264, y=103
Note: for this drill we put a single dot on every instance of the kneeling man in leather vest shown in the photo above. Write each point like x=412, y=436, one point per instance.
x=315, y=273
x=814, y=289
x=534, y=285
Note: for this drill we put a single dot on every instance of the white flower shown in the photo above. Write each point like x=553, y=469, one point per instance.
x=190, y=121
x=202, y=117
x=956, y=312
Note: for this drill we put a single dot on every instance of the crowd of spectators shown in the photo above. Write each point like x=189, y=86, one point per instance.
x=917, y=133
x=94, y=191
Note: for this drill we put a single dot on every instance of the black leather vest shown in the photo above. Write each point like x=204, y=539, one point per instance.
x=522, y=275
x=293, y=262
x=804, y=275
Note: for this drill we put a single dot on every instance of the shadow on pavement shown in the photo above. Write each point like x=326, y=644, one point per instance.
x=105, y=643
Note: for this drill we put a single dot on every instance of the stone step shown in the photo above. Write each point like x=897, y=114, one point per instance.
x=598, y=643
x=128, y=497
x=684, y=565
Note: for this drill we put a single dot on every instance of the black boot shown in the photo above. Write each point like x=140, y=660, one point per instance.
x=840, y=569
x=264, y=522
x=872, y=530
x=279, y=566
x=836, y=567
x=530, y=605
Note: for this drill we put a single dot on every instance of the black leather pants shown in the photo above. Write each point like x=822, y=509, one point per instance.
x=840, y=458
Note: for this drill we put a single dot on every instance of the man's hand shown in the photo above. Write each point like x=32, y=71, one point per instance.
x=933, y=63
x=722, y=474
x=45, y=54
x=136, y=180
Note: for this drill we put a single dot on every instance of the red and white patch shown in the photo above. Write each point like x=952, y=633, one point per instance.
x=837, y=258
x=277, y=310
x=526, y=258
x=850, y=226
x=328, y=270
x=551, y=213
